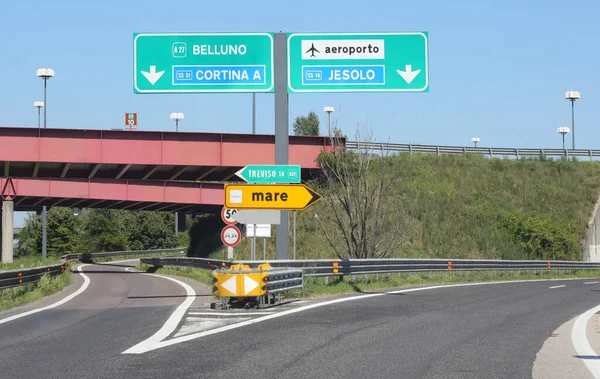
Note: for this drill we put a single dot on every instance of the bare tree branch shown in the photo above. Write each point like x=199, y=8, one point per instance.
x=362, y=206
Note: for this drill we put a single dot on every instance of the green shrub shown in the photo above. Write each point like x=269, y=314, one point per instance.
x=542, y=237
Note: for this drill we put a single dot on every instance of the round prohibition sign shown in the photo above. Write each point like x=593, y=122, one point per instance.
x=231, y=236
x=227, y=215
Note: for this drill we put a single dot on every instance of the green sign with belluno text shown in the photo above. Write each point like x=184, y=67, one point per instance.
x=202, y=62
x=358, y=62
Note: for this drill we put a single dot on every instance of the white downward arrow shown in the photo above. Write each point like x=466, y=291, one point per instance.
x=153, y=76
x=408, y=74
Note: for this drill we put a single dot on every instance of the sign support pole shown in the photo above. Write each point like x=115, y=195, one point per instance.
x=282, y=232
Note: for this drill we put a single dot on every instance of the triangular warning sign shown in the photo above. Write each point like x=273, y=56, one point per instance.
x=8, y=190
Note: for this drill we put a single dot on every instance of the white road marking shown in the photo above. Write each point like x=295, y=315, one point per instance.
x=173, y=341
x=557, y=286
x=581, y=343
x=199, y=325
x=234, y=314
x=169, y=327
x=591, y=282
x=84, y=286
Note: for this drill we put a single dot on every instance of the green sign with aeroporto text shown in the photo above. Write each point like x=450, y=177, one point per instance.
x=358, y=62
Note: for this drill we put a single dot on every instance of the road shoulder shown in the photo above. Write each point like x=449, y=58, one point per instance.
x=557, y=359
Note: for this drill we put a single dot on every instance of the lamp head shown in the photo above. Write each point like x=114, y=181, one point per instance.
x=572, y=95
x=45, y=72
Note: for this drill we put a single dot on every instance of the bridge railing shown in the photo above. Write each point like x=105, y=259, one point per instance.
x=491, y=151
x=23, y=276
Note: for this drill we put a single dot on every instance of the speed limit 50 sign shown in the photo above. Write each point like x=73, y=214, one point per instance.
x=227, y=215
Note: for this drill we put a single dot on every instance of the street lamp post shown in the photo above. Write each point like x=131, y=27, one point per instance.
x=475, y=140
x=45, y=74
x=572, y=96
x=328, y=110
x=38, y=105
x=253, y=112
x=176, y=117
x=563, y=130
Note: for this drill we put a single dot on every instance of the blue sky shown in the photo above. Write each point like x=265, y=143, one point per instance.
x=498, y=70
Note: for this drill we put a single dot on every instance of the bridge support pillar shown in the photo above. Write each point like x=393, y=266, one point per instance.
x=7, y=231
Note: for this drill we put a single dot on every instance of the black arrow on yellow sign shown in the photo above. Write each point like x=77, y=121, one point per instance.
x=270, y=196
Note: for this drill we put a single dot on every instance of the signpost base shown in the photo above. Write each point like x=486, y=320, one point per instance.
x=230, y=253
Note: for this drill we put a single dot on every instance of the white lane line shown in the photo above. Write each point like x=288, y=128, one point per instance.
x=557, y=286
x=234, y=314
x=193, y=336
x=591, y=282
x=582, y=345
x=169, y=327
x=84, y=286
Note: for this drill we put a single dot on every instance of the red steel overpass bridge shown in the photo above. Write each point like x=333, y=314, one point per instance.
x=169, y=171
x=135, y=170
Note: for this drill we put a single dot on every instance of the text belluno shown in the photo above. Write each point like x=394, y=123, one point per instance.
x=219, y=49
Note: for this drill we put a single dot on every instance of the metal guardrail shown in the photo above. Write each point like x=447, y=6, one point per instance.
x=491, y=151
x=341, y=267
x=19, y=277
x=283, y=280
x=85, y=257
x=15, y=278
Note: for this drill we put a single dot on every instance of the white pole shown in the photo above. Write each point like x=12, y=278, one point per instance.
x=294, y=234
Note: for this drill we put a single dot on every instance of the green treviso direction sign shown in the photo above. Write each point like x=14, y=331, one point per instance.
x=202, y=62
x=270, y=174
x=358, y=62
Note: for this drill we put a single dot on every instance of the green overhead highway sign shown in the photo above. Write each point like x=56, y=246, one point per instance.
x=202, y=62
x=270, y=174
x=358, y=62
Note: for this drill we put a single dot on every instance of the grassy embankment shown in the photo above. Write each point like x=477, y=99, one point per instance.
x=474, y=208
x=465, y=207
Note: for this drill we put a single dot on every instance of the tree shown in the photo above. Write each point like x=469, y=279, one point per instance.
x=30, y=237
x=151, y=230
x=359, y=213
x=205, y=235
x=62, y=231
x=103, y=231
x=307, y=126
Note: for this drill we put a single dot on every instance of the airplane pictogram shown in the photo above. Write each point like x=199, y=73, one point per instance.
x=312, y=50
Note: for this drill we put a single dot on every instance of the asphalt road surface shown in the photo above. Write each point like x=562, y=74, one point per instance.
x=483, y=331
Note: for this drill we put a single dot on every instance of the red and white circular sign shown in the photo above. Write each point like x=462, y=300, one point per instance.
x=231, y=236
x=227, y=216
